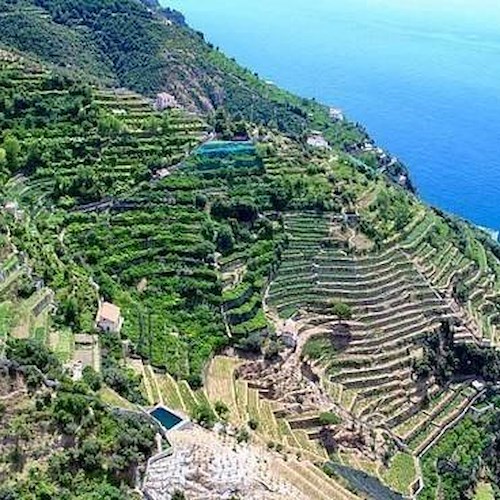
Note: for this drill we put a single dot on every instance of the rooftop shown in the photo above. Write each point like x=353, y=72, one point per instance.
x=109, y=312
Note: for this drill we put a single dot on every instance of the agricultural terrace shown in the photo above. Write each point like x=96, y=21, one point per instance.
x=128, y=199
x=26, y=306
x=462, y=264
x=206, y=244
x=394, y=305
x=160, y=252
x=460, y=261
x=81, y=145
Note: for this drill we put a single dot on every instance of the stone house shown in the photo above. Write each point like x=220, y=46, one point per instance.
x=109, y=318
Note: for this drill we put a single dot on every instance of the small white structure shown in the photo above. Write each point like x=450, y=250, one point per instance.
x=109, y=317
x=368, y=147
x=336, y=114
x=478, y=385
x=165, y=101
x=316, y=140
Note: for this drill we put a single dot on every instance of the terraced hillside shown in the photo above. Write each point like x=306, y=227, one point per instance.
x=26, y=305
x=459, y=260
x=165, y=55
x=104, y=180
x=293, y=294
x=299, y=457
x=365, y=363
x=463, y=269
x=159, y=257
x=71, y=144
x=87, y=144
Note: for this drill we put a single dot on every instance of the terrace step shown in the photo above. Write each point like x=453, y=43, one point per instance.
x=303, y=484
x=347, y=376
x=411, y=335
x=150, y=384
x=395, y=382
x=399, y=296
x=420, y=445
x=333, y=275
x=361, y=361
x=169, y=392
x=392, y=403
x=383, y=332
x=378, y=320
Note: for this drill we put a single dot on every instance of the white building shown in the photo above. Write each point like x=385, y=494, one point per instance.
x=109, y=317
x=316, y=140
x=336, y=114
x=165, y=101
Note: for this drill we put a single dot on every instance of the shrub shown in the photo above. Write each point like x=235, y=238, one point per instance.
x=225, y=240
x=329, y=418
x=204, y=415
x=243, y=436
x=221, y=409
x=342, y=311
x=92, y=378
x=253, y=424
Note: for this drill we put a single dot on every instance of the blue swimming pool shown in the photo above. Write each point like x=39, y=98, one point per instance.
x=166, y=417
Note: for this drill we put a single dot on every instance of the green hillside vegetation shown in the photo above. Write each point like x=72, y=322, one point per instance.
x=87, y=37
x=186, y=239
x=68, y=443
x=361, y=314
x=466, y=457
x=73, y=151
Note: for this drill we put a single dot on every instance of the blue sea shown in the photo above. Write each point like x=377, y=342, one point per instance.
x=422, y=76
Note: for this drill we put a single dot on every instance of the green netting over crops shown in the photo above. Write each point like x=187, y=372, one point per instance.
x=225, y=148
